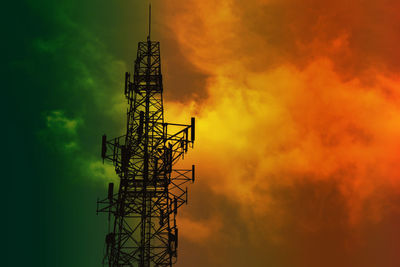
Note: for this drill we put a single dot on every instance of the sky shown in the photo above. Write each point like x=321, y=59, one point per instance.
x=297, y=116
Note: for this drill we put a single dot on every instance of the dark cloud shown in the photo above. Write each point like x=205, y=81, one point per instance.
x=307, y=226
x=181, y=79
x=356, y=35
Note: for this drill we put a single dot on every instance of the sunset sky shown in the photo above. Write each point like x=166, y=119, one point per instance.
x=297, y=105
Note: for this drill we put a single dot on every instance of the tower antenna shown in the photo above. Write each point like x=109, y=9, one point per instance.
x=144, y=204
x=149, y=22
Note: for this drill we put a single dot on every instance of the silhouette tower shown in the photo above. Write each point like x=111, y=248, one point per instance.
x=142, y=214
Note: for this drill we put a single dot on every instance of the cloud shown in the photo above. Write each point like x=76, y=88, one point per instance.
x=84, y=97
x=198, y=231
x=100, y=172
x=261, y=35
x=299, y=131
x=61, y=132
x=57, y=121
x=94, y=74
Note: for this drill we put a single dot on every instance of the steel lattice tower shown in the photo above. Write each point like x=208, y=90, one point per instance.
x=142, y=214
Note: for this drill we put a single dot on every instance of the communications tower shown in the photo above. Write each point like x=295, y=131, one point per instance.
x=142, y=213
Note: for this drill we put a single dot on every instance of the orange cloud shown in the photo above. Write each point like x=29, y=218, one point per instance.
x=298, y=137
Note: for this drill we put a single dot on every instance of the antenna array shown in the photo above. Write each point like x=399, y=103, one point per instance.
x=142, y=213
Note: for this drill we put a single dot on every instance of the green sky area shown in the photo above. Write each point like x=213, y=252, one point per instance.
x=64, y=69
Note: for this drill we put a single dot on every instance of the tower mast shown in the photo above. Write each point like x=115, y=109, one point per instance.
x=142, y=213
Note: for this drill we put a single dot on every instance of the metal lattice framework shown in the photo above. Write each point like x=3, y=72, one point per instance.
x=142, y=214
